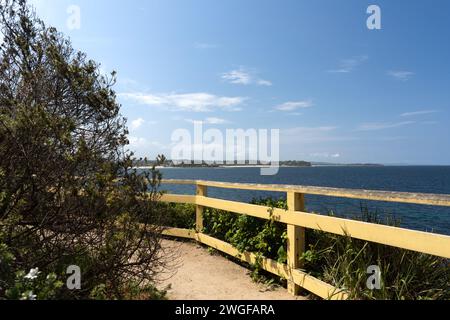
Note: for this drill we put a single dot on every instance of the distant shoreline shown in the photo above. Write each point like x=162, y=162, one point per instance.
x=313, y=165
x=259, y=166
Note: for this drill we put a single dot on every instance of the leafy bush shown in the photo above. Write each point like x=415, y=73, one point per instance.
x=178, y=215
x=264, y=237
x=68, y=192
x=34, y=286
x=247, y=233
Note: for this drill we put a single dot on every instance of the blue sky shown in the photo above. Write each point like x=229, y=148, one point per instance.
x=338, y=91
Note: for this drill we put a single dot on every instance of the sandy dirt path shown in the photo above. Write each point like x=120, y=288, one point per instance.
x=199, y=275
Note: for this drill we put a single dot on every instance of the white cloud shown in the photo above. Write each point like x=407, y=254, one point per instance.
x=294, y=105
x=127, y=82
x=382, y=125
x=243, y=76
x=336, y=155
x=417, y=113
x=137, y=142
x=141, y=143
x=348, y=65
x=237, y=77
x=401, y=75
x=211, y=120
x=136, y=124
x=194, y=102
x=266, y=83
x=325, y=155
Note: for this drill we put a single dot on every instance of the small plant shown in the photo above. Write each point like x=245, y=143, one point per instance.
x=34, y=285
x=131, y=291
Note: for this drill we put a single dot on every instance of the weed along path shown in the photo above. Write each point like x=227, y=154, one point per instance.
x=199, y=275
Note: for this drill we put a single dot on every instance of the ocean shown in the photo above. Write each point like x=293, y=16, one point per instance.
x=418, y=179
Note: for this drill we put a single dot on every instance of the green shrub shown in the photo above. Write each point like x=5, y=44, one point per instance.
x=264, y=237
x=69, y=194
x=131, y=291
x=178, y=215
x=34, y=285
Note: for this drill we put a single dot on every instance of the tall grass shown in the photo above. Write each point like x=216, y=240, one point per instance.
x=405, y=275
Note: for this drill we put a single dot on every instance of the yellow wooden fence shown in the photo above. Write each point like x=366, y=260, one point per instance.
x=297, y=220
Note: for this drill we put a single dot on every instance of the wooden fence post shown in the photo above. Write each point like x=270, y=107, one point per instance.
x=296, y=238
x=203, y=192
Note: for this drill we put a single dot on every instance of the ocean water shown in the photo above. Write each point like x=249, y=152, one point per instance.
x=423, y=179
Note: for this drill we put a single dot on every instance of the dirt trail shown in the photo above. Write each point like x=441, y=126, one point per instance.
x=202, y=276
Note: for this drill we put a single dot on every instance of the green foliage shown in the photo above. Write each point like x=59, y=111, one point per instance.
x=267, y=238
x=68, y=192
x=19, y=285
x=34, y=287
x=245, y=233
x=178, y=215
x=131, y=291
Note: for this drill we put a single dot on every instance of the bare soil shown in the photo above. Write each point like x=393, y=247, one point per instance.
x=199, y=275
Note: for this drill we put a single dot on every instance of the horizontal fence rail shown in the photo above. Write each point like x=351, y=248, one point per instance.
x=297, y=220
x=387, y=196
